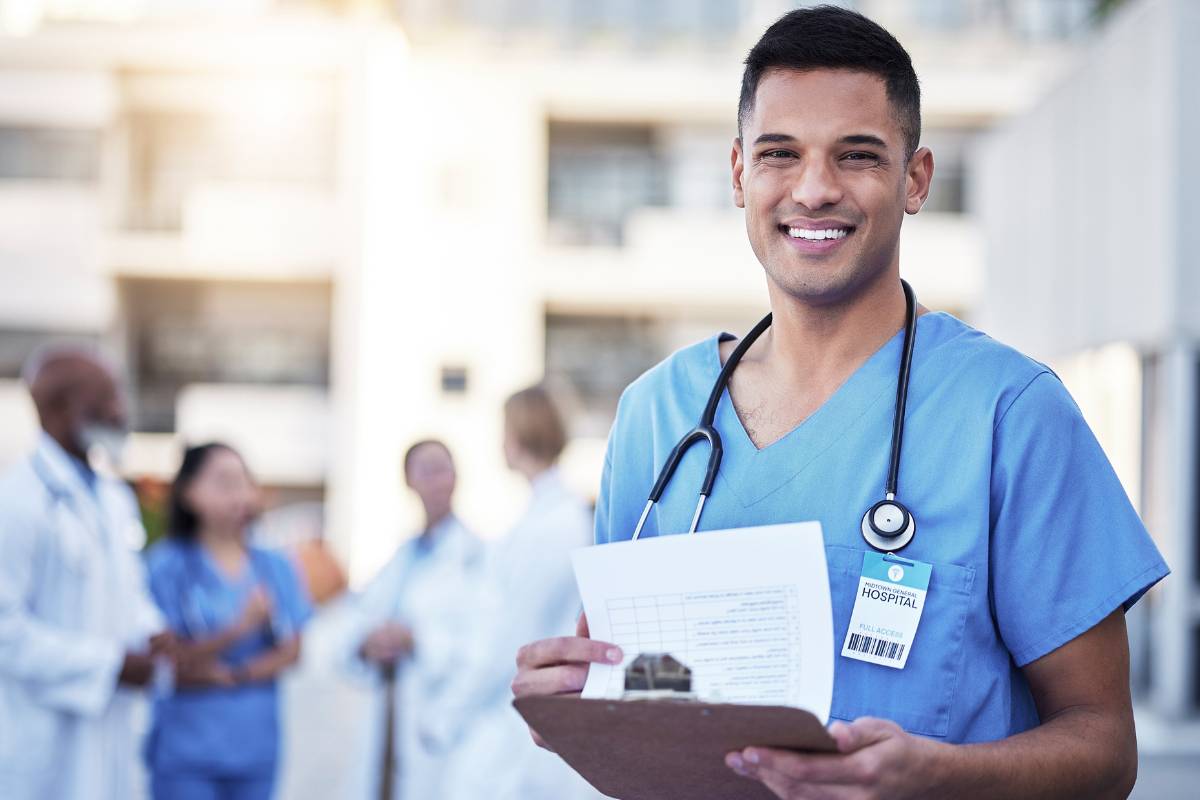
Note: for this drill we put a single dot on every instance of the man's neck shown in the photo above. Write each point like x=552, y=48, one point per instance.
x=807, y=354
x=813, y=344
x=69, y=446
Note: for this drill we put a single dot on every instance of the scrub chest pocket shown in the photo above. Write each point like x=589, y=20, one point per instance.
x=919, y=697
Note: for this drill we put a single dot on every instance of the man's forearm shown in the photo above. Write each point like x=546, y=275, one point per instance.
x=1081, y=752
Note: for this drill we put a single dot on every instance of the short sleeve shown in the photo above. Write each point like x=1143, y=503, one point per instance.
x=602, y=534
x=294, y=605
x=1067, y=547
x=166, y=579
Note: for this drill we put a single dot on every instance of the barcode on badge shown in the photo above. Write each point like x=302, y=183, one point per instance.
x=880, y=648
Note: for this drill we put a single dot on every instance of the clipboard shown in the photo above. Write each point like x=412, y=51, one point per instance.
x=667, y=749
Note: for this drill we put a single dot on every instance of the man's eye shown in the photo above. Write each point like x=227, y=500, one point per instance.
x=861, y=157
x=777, y=154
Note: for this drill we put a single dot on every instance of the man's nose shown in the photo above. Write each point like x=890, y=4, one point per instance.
x=816, y=185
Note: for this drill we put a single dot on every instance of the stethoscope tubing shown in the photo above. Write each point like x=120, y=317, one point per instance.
x=706, y=429
x=902, y=377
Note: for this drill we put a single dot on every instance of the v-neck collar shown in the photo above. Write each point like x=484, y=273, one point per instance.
x=753, y=474
x=218, y=573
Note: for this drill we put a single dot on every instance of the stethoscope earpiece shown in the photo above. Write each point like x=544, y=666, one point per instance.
x=888, y=525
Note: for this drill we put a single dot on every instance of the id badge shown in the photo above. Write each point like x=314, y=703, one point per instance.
x=887, y=609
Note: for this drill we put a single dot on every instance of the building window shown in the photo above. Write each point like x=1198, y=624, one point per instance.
x=598, y=176
x=17, y=344
x=454, y=379
x=49, y=154
x=598, y=356
x=574, y=23
x=1025, y=19
x=170, y=155
x=950, y=147
x=184, y=332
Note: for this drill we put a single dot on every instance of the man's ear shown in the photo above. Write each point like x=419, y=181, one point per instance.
x=738, y=165
x=917, y=180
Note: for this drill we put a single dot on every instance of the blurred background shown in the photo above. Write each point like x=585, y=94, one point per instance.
x=322, y=230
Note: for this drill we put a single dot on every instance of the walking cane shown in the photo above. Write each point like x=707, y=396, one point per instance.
x=390, y=763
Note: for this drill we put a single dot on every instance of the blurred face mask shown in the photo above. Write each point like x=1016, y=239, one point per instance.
x=107, y=439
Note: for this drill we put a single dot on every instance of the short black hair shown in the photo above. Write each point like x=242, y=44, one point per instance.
x=828, y=37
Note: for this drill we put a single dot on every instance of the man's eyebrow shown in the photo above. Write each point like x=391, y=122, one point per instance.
x=854, y=138
x=775, y=138
x=864, y=138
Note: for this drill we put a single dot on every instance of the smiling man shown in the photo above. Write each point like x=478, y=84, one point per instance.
x=1015, y=683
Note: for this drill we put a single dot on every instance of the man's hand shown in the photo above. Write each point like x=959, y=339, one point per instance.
x=387, y=644
x=875, y=759
x=137, y=669
x=560, y=665
x=164, y=643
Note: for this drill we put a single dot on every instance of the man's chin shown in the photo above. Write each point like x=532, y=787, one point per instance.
x=821, y=285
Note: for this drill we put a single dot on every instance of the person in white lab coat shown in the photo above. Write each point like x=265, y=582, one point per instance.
x=528, y=593
x=406, y=618
x=78, y=629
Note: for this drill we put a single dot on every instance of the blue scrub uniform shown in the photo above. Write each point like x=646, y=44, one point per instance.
x=218, y=742
x=1031, y=536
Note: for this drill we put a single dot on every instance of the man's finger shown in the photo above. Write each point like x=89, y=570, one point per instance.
x=563, y=679
x=785, y=787
x=862, y=732
x=539, y=741
x=565, y=650
x=801, y=767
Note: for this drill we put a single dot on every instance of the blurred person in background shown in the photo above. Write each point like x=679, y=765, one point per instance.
x=403, y=627
x=78, y=630
x=237, y=612
x=527, y=592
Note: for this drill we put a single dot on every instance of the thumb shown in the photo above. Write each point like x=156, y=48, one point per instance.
x=860, y=733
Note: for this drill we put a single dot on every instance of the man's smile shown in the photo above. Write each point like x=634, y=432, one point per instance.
x=815, y=236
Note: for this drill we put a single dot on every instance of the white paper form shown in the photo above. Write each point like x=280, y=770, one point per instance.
x=747, y=610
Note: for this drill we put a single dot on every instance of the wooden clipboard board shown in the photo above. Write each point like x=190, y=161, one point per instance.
x=667, y=749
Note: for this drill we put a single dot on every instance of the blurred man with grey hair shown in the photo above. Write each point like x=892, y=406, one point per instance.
x=78, y=630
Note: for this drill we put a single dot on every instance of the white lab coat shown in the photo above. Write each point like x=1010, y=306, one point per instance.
x=426, y=592
x=73, y=600
x=529, y=593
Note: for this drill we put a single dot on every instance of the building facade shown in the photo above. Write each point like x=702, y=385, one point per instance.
x=323, y=230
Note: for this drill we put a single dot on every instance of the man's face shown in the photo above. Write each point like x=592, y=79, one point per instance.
x=103, y=403
x=98, y=415
x=820, y=170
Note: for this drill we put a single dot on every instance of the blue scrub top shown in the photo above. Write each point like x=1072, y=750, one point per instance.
x=1031, y=536
x=218, y=731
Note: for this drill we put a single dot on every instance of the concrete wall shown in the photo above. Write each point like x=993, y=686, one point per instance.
x=1080, y=198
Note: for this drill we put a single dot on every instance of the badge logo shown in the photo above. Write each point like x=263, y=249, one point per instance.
x=895, y=573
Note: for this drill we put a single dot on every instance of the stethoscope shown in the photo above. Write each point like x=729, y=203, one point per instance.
x=887, y=525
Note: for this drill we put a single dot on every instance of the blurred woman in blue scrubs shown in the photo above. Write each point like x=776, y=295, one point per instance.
x=237, y=611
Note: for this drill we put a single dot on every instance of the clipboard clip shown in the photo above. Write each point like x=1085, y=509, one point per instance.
x=658, y=676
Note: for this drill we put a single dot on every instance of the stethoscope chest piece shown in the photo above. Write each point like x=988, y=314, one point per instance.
x=888, y=525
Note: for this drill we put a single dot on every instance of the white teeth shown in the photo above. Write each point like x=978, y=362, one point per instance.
x=816, y=236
